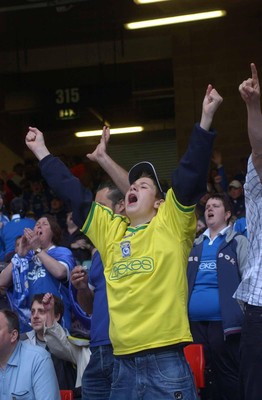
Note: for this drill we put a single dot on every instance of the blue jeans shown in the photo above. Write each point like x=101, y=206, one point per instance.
x=97, y=377
x=159, y=375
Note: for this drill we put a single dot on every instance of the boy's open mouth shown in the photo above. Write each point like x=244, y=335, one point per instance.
x=132, y=198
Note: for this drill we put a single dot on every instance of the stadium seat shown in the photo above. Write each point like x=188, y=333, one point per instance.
x=194, y=354
x=66, y=395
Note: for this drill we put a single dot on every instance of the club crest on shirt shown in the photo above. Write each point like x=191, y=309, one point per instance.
x=125, y=249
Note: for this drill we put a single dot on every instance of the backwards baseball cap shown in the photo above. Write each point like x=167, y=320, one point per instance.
x=145, y=167
x=235, y=184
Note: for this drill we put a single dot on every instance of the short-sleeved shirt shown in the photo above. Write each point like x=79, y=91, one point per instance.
x=29, y=375
x=41, y=280
x=145, y=271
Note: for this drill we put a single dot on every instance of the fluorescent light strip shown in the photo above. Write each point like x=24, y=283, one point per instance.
x=116, y=131
x=175, y=20
x=148, y=1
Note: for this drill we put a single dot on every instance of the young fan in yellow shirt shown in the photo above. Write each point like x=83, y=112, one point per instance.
x=144, y=257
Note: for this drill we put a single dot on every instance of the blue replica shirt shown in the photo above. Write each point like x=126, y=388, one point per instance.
x=204, y=302
x=42, y=281
x=99, y=332
x=3, y=220
x=31, y=277
x=29, y=375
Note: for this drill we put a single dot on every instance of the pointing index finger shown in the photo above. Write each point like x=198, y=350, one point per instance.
x=254, y=73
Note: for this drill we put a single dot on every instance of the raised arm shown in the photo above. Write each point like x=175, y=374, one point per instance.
x=116, y=173
x=59, y=177
x=36, y=143
x=49, y=307
x=85, y=296
x=54, y=334
x=250, y=93
x=189, y=180
x=211, y=102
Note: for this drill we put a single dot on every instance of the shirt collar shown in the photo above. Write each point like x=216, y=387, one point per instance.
x=14, y=358
x=16, y=216
x=221, y=233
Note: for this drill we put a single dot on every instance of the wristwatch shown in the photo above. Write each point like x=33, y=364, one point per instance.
x=37, y=251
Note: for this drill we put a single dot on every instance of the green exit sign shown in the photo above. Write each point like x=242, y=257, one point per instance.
x=67, y=113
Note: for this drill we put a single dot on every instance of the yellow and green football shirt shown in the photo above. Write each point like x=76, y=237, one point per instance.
x=145, y=271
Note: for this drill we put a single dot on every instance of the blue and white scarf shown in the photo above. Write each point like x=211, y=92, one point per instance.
x=18, y=296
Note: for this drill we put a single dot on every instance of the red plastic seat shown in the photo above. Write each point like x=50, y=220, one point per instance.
x=194, y=354
x=66, y=395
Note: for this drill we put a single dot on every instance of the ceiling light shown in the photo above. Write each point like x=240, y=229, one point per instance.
x=148, y=1
x=175, y=20
x=116, y=131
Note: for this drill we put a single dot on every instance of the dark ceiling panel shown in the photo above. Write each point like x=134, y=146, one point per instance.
x=135, y=90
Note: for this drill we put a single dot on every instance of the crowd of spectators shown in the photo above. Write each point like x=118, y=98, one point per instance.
x=39, y=247
x=26, y=183
x=52, y=275
x=26, y=199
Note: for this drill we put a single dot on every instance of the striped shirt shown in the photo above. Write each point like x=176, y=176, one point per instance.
x=250, y=289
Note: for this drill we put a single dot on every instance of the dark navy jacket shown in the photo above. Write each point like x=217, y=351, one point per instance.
x=231, y=261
